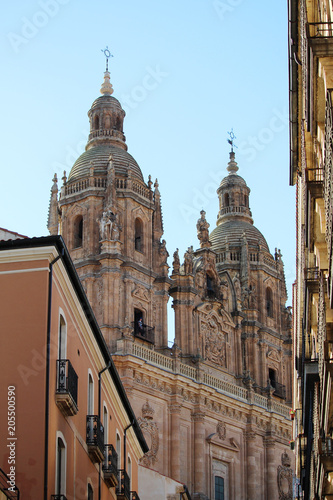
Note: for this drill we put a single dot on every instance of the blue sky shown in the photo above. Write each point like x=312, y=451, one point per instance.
x=186, y=72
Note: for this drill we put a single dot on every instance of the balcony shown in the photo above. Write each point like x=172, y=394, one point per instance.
x=95, y=438
x=134, y=495
x=123, y=491
x=67, y=381
x=312, y=279
x=314, y=180
x=110, y=466
x=320, y=36
x=326, y=453
x=144, y=332
x=280, y=390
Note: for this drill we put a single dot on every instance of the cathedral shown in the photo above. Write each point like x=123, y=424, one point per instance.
x=215, y=408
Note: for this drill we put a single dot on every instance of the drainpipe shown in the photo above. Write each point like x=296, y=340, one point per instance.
x=99, y=418
x=47, y=379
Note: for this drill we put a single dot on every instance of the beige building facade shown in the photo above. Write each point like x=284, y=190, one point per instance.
x=311, y=147
x=215, y=407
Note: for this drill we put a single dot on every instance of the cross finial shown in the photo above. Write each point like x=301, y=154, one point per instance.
x=231, y=141
x=107, y=54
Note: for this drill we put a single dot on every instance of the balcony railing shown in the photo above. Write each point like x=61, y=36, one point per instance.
x=58, y=497
x=123, y=491
x=326, y=453
x=312, y=279
x=134, y=495
x=314, y=180
x=144, y=332
x=95, y=438
x=110, y=466
x=320, y=30
x=280, y=390
x=67, y=382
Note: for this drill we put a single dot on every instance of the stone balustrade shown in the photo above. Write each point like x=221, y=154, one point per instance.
x=175, y=366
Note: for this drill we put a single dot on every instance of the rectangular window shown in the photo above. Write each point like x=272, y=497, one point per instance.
x=219, y=488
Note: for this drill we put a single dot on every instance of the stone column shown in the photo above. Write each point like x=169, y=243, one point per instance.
x=174, y=410
x=252, y=466
x=271, y=469
x=199, y=453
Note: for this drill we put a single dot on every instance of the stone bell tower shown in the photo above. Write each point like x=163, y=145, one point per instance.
x=111, y=221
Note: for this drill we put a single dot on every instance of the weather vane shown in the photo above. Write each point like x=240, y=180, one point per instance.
x=107, y=54
x=231, y=141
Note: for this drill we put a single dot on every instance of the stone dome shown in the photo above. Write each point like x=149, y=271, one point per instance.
x=98, y=157
x=106, y=138
x=232, y=231
x=234, y=218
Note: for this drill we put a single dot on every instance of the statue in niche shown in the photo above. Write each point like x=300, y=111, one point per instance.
x=176, y=262
x=108, y=226
x=202, y=230
x=188, y=261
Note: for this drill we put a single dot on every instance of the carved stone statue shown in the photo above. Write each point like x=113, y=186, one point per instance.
x=188, y=261
x=109, y=227
x=163, y=251
x=176, y=262
x=202, y=231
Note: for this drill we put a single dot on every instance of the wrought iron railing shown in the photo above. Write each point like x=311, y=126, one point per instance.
x=95, y=432
x=110, y=464
x=144, y=332
x=67, y=379
x=124, y=485
x=320, y=30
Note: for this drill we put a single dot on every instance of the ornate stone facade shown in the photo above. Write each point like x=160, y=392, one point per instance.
x=214, y=408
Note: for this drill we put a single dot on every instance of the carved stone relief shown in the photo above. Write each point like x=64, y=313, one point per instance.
x=215, y=342
x=285, y=478
x=150, y=429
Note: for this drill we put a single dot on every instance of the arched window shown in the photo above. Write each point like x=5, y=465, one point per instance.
x=269, y=302
x=118, y=449
x=226, y=199
x=90, y=492
x=96, y=122
x=60, y=466
x=210, y=286
x=138, y=238
x=105, y=423
x=90, y=394
x=246, y=200
x=129, y=470
x=62, y=344
x=78, y=231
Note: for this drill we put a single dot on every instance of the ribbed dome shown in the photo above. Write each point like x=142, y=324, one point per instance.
x=231, y=232
x=106, y=100
x=98, y=157
x=233, y=180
